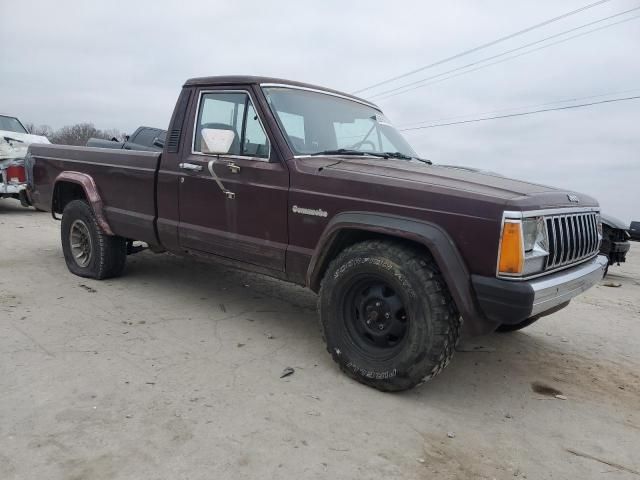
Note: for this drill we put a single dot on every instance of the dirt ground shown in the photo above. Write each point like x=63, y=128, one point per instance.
x=173, y=372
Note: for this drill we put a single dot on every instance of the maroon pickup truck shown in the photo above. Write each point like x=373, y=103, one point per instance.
x=316, y=187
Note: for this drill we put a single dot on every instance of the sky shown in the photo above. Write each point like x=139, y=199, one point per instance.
x=121, y=64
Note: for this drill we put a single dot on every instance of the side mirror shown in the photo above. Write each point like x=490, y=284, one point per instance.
x=158, y=143
x=216, y=140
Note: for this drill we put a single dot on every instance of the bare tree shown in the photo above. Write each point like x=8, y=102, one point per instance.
x=77, y=134
x=44, y=130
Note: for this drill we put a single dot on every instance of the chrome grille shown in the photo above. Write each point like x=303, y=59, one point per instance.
x=572, y=237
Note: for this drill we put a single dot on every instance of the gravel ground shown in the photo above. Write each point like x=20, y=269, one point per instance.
x=173, y=372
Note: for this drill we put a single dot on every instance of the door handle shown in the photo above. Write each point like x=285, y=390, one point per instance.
x=233, y=167
x=190, y=166
x=230, y=195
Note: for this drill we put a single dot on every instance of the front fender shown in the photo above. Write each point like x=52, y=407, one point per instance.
x=91, y=194
x=432, y=236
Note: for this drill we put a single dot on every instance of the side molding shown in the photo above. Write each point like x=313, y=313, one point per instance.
x=91, y=192
x=432, y=236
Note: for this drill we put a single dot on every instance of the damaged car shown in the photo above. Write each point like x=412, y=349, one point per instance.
x=615, y=241
x=14, y=142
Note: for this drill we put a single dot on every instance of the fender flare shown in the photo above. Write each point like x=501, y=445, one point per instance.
x=430, y=235
x=91, y=192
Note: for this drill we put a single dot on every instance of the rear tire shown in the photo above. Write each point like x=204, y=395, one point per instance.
x=88, y=251
x=387, y=316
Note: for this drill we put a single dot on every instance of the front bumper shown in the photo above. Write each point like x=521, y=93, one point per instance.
x=511, y=302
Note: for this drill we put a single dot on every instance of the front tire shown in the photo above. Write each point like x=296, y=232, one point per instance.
x=386, y=315
x=88, y=251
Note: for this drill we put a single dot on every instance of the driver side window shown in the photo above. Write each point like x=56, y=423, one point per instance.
x=228, y=124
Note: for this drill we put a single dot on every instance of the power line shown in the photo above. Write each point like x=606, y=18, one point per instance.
x=508, y=58
x=485, y=45
x=519, y=114
x=575, y=99
x=419, y=83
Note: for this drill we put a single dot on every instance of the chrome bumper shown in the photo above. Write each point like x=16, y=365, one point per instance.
x=553, y=290
x=11, y=188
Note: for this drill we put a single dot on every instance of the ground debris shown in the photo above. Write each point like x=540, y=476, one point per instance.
x=544, y=389
x=286, y=372
x=475, y=348
x=451, y=435
x=612, y=284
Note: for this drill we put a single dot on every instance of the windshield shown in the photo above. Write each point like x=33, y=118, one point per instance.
x=11, y=124
x=317, y=122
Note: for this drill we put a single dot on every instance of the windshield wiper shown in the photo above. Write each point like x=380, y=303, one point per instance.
x=402, y=156
x=346, y=151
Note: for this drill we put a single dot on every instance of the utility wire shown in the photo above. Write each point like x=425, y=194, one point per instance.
x=419, y=83
x=519, y=114
x=485, y=45
x=575, y=99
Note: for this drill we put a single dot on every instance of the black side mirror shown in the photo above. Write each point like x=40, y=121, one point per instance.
x=158, y=143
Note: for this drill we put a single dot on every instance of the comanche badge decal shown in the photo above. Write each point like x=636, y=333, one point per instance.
x=318, y=212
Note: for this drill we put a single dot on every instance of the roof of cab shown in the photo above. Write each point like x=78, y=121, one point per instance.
x=250, y=79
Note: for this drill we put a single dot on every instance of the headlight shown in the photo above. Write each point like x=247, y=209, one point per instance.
x=523, y=247
x=599, y=223
x=533, y=233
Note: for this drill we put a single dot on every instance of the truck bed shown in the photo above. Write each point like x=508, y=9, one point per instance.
x=126, y=181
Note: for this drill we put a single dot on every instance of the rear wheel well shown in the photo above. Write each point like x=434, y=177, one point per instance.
x=350, y=236
x=65, y=192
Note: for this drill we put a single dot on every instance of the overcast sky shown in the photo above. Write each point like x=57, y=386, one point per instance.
x=121, y=64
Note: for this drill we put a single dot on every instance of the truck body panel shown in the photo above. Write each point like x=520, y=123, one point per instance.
x=125, y=184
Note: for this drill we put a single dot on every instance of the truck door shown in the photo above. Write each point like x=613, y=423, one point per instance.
x=233, y=187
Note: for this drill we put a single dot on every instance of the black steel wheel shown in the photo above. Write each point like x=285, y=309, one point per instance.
x=375, y=315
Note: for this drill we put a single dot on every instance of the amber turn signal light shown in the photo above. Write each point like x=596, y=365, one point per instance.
x=511, y=250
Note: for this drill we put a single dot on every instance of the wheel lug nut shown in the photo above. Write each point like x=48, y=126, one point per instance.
x=378, y=304
x=380, y=326
x=386, y=315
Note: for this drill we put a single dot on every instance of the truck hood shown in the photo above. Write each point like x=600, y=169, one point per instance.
x=15, y=145
x=517, y=194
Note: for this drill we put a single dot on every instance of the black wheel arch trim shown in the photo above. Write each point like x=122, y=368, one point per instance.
x=430, y=235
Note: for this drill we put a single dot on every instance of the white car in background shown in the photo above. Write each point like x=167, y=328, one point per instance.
x=14, y=142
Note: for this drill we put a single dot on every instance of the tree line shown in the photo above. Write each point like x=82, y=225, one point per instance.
x=77, y=134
